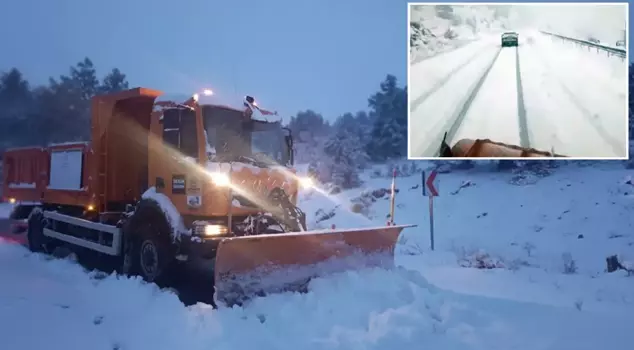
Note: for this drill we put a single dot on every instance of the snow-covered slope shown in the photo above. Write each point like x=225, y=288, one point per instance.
x=526, y=224
x=440, y=28
x=532, y=231
x=583, y=210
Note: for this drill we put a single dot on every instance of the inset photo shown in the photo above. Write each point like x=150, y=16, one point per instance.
x=515, y=80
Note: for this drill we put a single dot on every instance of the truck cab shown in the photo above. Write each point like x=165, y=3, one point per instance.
x=220, y=163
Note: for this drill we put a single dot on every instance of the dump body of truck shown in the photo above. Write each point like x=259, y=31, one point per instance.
x=165, y=184
x=87, y=174
x=24, y=174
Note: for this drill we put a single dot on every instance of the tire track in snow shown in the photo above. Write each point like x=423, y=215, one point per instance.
x=521, y=108
x=453, y=124
x=614, y=144
x=420, y=99
x=618, y=149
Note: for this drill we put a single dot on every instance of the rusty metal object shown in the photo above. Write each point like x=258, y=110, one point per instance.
x=485, y=148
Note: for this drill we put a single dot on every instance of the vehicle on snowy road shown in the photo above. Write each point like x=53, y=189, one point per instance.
x=510, y=39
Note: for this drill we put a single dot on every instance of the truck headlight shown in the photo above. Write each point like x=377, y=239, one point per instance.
x=215, y=230
x=306, y=182
x=220, y=179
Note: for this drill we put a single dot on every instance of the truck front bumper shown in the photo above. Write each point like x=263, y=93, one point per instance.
x=195, y=246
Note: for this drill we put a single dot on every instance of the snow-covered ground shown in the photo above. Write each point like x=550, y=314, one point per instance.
x=537, y=90
x=440, y=29
x=432, y=301
x=603, y=21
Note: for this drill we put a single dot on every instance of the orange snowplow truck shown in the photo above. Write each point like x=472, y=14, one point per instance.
x=169, y=184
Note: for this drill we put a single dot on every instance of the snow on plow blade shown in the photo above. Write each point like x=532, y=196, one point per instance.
x=258, y=265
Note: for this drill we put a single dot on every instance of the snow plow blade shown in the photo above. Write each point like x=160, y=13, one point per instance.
x=258, y=265
x=468, y=148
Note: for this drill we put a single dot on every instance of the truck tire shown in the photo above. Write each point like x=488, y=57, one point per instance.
x=148, y=249
x=35, y=232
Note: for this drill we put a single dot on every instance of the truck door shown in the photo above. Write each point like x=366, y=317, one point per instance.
x=174, y=163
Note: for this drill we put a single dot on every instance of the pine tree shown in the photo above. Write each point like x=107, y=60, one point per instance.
x=85, y=76
x=27, y=114
x=346, y=154
x=113, y=82
x=15, y=95
x=389, y=132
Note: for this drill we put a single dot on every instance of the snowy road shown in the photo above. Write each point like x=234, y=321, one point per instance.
x=544, y=94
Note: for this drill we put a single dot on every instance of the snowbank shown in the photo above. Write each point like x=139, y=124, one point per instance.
x=372, y=309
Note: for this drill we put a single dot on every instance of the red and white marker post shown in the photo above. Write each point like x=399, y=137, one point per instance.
x=390, y=222
x=430, y=189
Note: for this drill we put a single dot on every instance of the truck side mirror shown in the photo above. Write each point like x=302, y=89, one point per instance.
x=289, y=142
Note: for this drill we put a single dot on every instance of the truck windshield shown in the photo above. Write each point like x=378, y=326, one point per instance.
x=267, y=142
x=230, y=136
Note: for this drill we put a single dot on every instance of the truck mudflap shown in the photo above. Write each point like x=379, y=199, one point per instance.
x=251, y=266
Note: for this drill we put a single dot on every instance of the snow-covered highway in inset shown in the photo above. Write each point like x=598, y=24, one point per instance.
x=545, y=94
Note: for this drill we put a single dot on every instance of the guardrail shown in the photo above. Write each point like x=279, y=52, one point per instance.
x=611, y=51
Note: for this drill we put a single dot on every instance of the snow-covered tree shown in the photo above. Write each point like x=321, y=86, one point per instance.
x=346, y=152
x=388, y=109
x=307, y=125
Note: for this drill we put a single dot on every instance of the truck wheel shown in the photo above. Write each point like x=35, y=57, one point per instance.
x=148, y=250
x=35, y=232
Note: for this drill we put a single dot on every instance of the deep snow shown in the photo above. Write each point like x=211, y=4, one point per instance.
x=573, y=113
x=432, y=302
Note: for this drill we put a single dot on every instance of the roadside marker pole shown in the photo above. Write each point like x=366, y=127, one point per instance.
x=430, y=190
x=431, y=221
x=391, y=221
x=230, y=214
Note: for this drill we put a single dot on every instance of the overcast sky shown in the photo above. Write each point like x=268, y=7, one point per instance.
x=328, y=55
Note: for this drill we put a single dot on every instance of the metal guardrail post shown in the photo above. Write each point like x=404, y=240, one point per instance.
x=611, y=51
